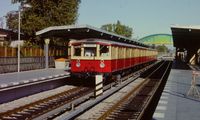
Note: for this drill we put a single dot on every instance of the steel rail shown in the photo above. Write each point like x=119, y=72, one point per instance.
x=40, y=110
x=134, y=90
x=130, y=94
x=85, y=106
x=155, y=89
x=40, y=107
x=144, y=97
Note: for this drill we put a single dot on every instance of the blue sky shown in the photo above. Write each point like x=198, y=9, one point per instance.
x=144, y=16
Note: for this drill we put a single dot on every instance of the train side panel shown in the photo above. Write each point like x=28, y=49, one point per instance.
x=123, y=58
x=119, y=58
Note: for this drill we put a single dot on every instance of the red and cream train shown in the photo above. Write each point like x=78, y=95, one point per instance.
x=97, y=56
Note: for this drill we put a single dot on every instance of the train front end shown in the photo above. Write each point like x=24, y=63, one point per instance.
x=90, y=57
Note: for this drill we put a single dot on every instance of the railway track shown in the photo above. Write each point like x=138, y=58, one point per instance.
x=136, y=103
x=38, y=108
x=57, y=104
x=133, y=105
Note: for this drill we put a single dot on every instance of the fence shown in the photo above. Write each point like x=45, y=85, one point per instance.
x=28, y=51
x=9, y=64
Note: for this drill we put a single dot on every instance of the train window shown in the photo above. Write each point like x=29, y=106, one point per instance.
x=77, y=51
x=90, y=51
x=104, y=50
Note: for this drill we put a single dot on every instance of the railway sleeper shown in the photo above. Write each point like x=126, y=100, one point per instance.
x=16, y=115
x=9, y=118
x=38, y=106
x=35, y=108
x=122, y=116
x=24, y=115
x=24, y=112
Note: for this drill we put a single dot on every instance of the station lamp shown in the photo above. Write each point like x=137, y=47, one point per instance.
x=21, y=6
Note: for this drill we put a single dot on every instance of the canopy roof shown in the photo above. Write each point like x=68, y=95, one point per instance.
x=79, y=32
x=9, y=35
x=106, y=42
x=186, y=36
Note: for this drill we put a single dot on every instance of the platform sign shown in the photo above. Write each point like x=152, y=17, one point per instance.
x=99, y=85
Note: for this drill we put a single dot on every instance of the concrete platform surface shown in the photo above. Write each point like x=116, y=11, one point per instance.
x=15, y=78
x=174, y=103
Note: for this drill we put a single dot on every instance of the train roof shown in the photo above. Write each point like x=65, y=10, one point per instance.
x=106, y=42
x=79, y=32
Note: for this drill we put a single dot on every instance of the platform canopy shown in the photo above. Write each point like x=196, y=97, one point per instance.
x=82, y=32
x=9, y=35
x=186, y=36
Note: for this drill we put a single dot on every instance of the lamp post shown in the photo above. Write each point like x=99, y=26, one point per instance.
x=18, y=45
x=19, y=33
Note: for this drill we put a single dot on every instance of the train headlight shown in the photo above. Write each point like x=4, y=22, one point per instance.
x=78, y=64
x=102, y=64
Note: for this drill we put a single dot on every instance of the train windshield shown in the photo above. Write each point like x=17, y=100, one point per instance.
x=90, y=50
x=77, y=51
x=104, y=50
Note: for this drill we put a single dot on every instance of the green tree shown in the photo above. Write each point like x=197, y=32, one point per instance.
x=162, y=48
x=119, y=29
x=45, y=13
x=12, y=20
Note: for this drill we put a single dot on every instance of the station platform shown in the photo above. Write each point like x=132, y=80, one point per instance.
x=174, y=104
x=26, y=77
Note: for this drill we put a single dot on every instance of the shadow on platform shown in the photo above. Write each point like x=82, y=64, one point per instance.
x=181, y=83
x=178, y=64
x=181, y=95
